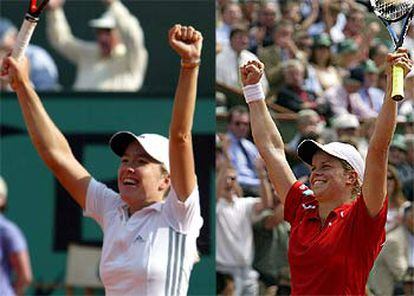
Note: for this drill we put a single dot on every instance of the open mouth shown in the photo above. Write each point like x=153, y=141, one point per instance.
x=129, y=182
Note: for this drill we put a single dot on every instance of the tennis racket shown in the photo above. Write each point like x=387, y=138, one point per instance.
x=26, y=31
x=392, y=11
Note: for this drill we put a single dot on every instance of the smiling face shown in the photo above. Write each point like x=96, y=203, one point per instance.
x=141, y=180
x=329, y=179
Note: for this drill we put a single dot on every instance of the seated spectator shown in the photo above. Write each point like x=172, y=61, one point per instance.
x=242, y=152
x=406, y=108
x=347, y=56
x=116, y=61
x=408, y=222
x=343, y=99
x=369, y=93
x=282, y=50
x=398, y=158
x=309, y=121
x=231, y=57
x=292, y=94
x=43, y=71
x=378, y=53
x=409, y=182
x=15, y=267
x=231, y=16
x=392, y=263
x=321, y=68
x=347, y=129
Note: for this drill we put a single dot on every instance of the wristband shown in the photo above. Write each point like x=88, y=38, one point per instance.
x=190, y=65
x=253, y=92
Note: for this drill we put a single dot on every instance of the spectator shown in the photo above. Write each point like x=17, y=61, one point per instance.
x=43, y=71
x=231, y=57
x=282, y=50
x=321, y=67
x=347, y=56
x=261, y=33
x=242, y=152
x=378, y=53
x=292, y=94
x=234, y=233
x=398, y=158
x=396, y=199
x=116, y=61
x=231, y=16
x=409, y=183
x=271, y=235
x=15, y=268
x=408, y=221
x=369, y=93
x=392, y=262
x=308, y=122
x=343, y=99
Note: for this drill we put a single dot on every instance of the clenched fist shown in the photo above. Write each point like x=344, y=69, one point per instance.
x=251, y=72
x=186, y=42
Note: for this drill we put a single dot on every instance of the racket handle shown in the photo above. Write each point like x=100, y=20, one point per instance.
x=397, y=92
x=23, y=38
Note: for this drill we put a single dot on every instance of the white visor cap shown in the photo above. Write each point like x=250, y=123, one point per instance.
x=343, y=151
x=106, y=21
x=155, y=145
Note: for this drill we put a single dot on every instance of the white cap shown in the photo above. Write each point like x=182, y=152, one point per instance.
x=343, y=151
x=106, y=21
x=3, y=191
x=345, y=120
x=155, y=145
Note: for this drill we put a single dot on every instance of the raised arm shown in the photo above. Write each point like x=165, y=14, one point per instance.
x=60, y=35
x=374, y=187
x=49, y=142
x=187, y=43
x=132, y=36
x=265, y=133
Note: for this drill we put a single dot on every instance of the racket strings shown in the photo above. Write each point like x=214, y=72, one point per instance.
x=392, y=9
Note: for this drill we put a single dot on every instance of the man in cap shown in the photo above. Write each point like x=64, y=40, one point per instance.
x=370, y=94
x=338, y=223
x=117, y=61
x=43, y=70
x=155, y=218
x=15, y=268
x=399, y=158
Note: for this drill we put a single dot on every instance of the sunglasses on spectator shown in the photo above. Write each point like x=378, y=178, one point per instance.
x=239, y=123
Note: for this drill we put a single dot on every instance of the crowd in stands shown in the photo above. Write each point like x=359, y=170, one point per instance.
x=324, y=80
x=115, y=61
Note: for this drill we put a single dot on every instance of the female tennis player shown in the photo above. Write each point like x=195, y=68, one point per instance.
x=337, y=226
x=150, y=228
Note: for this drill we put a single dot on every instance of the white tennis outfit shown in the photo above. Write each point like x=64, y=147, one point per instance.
x=152, y=252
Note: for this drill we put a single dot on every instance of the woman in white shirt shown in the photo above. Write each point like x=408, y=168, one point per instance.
x=150, y=227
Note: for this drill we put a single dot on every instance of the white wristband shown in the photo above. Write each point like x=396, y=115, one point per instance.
x=253, y=92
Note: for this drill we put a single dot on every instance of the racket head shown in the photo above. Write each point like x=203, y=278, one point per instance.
x=34, y=9
x=392, y=10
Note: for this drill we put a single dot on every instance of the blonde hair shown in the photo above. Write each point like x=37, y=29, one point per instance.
x=356, y=189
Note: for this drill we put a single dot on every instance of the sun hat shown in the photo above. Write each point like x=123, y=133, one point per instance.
x=155, y=145
x=106, y=21
x=345, y=121
x=347, y=152
x=399, y=142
